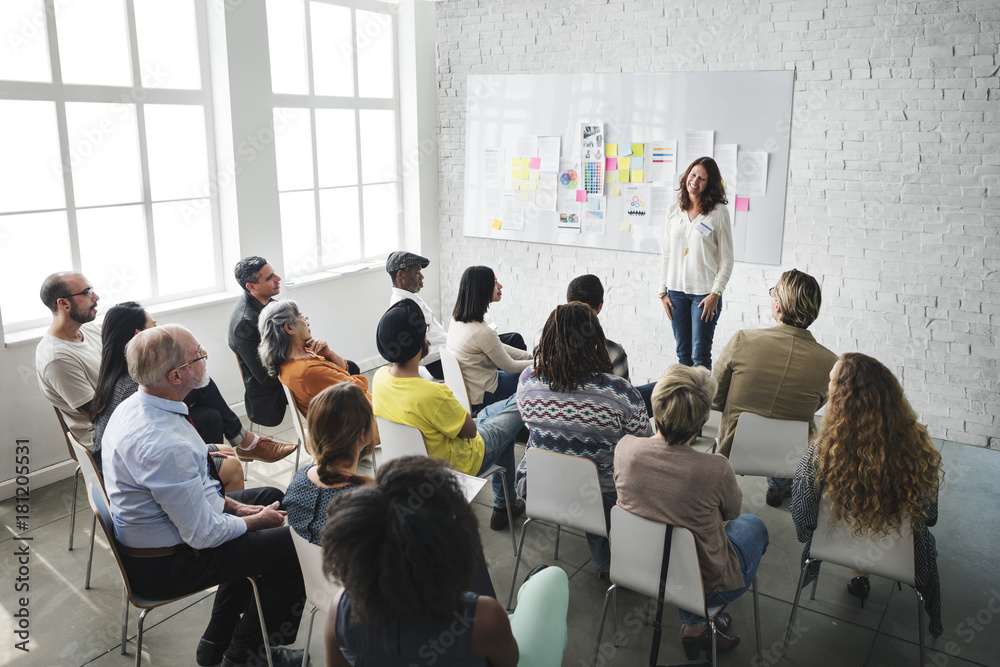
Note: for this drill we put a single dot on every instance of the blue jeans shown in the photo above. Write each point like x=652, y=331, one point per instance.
x=499, y=424
x=690, y=331
x=600, y=548
x=646, y=391
x=748, y=535
x=506, y=387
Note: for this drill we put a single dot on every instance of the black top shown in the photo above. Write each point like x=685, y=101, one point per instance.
x=264, y=397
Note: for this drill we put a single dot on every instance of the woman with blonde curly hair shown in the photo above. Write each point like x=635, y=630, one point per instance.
x=878, y=467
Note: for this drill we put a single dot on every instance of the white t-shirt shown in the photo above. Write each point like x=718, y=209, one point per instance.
x=436, y=335
x=708, y=262
x=67, y=375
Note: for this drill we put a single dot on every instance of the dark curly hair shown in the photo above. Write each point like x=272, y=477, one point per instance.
x=405, y=546
x=572, y=348
x=713, y=195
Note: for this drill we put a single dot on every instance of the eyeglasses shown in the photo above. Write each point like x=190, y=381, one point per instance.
x=86, y=292
x=770, y=292
x=202, y=354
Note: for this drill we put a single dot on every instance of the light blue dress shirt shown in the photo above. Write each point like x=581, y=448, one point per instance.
x=156, y=475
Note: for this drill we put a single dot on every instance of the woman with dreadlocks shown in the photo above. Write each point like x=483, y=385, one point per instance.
x=572, y=404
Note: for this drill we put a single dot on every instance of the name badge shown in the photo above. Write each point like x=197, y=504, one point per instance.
x=704, y=229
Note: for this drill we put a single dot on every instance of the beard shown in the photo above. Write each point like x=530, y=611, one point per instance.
x=205, y=379
x=80, y=315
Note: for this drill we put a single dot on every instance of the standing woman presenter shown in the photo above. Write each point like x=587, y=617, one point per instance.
x=697, y=261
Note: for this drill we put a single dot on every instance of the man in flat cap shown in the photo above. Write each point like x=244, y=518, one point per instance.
x=404, y=268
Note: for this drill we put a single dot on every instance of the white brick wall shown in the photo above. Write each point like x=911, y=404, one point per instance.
x=894, y=180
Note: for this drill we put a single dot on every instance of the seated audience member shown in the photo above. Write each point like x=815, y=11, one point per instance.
x=878, y=467
x=407, y=280
x=663, y=479
x=207, y=409
x=572, y=404
x=405, y=550
x=341, y=434
x=450, y=433
x=489, y=365
x=304, y=364
x=177, y=532
x=780, y=372
x=68, y=356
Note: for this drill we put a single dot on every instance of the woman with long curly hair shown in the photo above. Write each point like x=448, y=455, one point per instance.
x=878, y=467
x=697, y=261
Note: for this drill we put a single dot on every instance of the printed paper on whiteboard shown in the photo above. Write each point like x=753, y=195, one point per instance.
x=752, y=173
x=637, y=198
x=663, y=164
x=513, y=212
x=548, y=151
x=725, y=157
x=697, y=143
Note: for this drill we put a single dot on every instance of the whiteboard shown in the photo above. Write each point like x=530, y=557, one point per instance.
x=750, y=109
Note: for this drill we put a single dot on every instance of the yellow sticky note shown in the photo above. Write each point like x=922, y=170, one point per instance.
x=535, y=174
x=616, y=191
x=515, y=174
x=611, y=177
x=623, y=176
x=524, y=195
x=524, y=173
x=496, y=224
x=532, y=185
x=625, y=226
x=624, y=163
x=612, y=150
x=637, y=149
x=515, y=185
x=637, y=176
x=525, y=163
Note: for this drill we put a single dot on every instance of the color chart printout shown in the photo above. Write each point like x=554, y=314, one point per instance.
x=592, y=157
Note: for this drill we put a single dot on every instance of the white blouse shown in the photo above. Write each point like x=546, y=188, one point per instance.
x=707, y=263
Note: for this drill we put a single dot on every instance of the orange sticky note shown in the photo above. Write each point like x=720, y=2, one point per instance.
x=611, y=150
x=496, y=224
x=623, y=176
x=624, y=162
x=637, y=175
x=637, y=149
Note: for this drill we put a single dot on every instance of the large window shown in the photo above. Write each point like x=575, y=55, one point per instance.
x=105, y=134
x=336, y=128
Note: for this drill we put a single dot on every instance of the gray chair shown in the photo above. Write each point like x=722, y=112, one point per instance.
x=90, y=478
x=768, y=447
x=76, y=475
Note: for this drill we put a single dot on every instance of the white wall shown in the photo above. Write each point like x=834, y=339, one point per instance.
x=894, y=179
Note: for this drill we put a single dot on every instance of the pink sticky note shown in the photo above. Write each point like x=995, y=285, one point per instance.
x=581, y=195
x=742, y=203
x=535, y=163
x=612, y=164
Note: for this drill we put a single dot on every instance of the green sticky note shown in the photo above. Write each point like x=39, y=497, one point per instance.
x=637, y=149
x=623, y=176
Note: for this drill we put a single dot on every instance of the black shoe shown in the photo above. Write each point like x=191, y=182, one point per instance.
x=703, y=642
x=500, y=521
x=209, y=653
x=723, y=621
x=775, y=494
x=280, y=657
x=859, y=587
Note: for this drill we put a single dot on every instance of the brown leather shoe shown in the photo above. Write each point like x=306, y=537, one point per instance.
x=722, y=621
x=266, y=450
x=703, y=642
x=500, y=521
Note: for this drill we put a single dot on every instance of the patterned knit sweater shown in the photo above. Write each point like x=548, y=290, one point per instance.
x=588, y=421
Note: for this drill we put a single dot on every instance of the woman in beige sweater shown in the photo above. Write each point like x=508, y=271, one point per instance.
x=663, y=479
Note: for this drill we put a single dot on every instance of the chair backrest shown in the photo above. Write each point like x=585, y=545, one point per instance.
x=637, y=556
x=66, y=432
x=99, y=504
x=319, y=589
x=565, y=490
x=87, y=465
x=299, y=422
x=888, y=556
x=399, y=440
x=768, y=447
x=454, y=378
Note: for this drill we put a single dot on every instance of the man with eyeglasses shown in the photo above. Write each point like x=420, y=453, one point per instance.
x=68, y=357
x=177, y=532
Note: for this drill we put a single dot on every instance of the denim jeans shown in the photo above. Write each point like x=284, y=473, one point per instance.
x=692, y=336
x=646, y=391
x=748, y=535
x=499, y=424
x=600, y=548
x=506, y=387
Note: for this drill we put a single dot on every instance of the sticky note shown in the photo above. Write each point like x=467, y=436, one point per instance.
x=611, y=150
x=624, y=150
x=516, y=162
x=636, y=162
x=535, y=163
x=611, y=163
x=623, y=176
x=594, y=204
x=637, y=176
x=496, y=224
x=535, y=174
x=742, y=203
x=525, y=163
x=625, y=226
x=624, y=163
x=515, y=174
x=515, y=185
x=525, y=173
x=581, y=195
x=611, y=177
x=532, y=185
x=524, y=195
x=637, y=149
x=616, y=191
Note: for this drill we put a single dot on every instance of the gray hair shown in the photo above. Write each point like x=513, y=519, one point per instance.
x=682, y=399
x=275, y=343
x=152, y=353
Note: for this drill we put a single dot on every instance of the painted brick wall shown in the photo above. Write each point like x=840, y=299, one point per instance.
x=894, y=180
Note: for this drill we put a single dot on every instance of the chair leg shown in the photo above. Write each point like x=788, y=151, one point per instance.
x=614, y=603
x=90, y=559
x=756, y=622
x=715, y=658
x=600, y=628
x=517, y=562
x=138, y=639
x=920, y=625
x=510, y=511
x=72, y=511
x=260, y=616
x=795, y=608
x=558, y=532
x=812, y=595
x=124, y=621
x=309, y=633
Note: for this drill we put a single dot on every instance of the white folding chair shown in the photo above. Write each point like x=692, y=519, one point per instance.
x=90, y=477
x=768, y=447
x=320, y=591
x=402, y=440
x=562, y=490
x=636, y=560
x=76, y=476
x=454, y=378
x=102, y=513
x=302, y=430
x=890, y=556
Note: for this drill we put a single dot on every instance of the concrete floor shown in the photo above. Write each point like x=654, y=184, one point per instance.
x=71, y=626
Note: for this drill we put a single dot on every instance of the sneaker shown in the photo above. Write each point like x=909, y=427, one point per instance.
x=266, y=450
x=280, y=657
x=209, y=653
x=500, y=521
x=775, y=494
